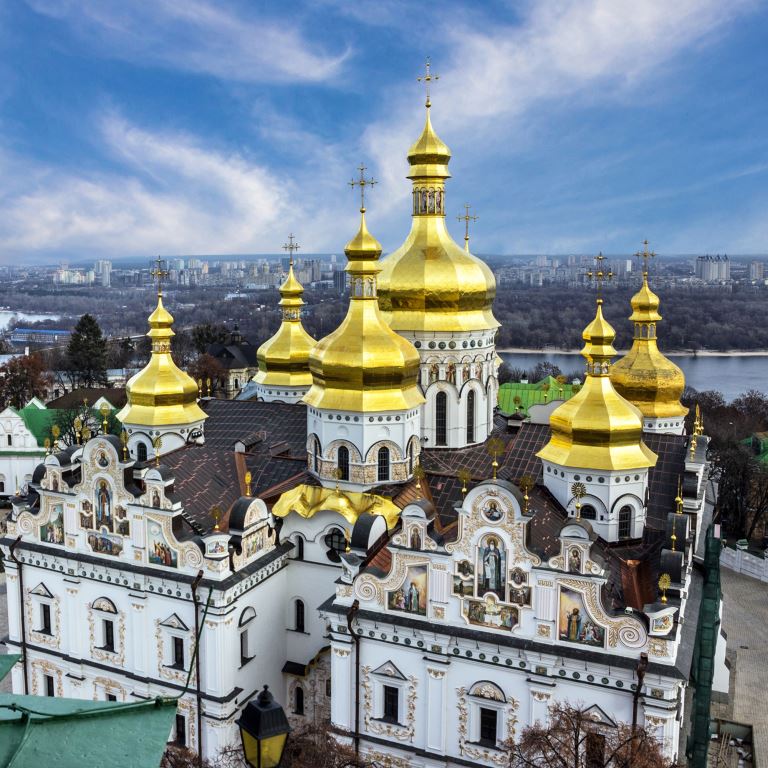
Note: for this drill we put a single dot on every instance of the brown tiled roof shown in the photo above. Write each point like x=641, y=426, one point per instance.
x=114, y=395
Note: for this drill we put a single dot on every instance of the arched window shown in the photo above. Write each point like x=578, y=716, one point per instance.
x=441, y=414
x=471, y=416
x=298, y=701
x=246, y=636
x=141, y=452
x=625, y=522
x=343, y=462
x=336, y=543
x=588, y=512
x=316, y=454
x=383, y=463
x=299, y=548
x=299, y=616
x=410, y=459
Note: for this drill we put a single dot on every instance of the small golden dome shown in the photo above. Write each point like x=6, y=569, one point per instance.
x=644, y=376
x=284, y=358
x=597, y=428
x=161, y=394
x=364, y=365
x=430, y=283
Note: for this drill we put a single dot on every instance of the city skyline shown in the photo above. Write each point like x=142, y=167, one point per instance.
x=217, y=128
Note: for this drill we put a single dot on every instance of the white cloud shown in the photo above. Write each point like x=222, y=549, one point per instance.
x=197, y=35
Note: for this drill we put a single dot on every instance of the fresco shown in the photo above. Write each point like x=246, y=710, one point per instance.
x=575, y=624
x=463, y=587
x=574, y=560
x=493, y=512
x=104, y=543
x=158, y=550
x=52, y=532
x=520, y=596
x=103, y=506
x=489, y=613
x=411, y=597
x=491, y=567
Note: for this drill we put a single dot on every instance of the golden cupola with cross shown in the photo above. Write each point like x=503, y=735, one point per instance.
x=283, y=359
x=363, y=405
x=644, y=376
x=162, y=412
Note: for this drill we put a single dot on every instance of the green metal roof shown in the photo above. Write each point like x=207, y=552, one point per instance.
x=39, y=421
x=540, y=392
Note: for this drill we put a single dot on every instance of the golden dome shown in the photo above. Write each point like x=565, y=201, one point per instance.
x=284, y=358
x=364, y=365
x=430, y=283
x=161, y=394
x=644, y=375
x=597, y=428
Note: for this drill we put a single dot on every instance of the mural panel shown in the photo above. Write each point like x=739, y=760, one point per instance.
x=491, y=567
x=158, y=549
x=489, y=613
x=52, y=532
x=575, y=624
x=104, y=543
x=411, y=597
x=103, y=506
x=493, y=513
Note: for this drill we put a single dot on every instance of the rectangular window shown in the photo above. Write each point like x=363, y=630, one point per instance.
x=109, y=635
x=244, y=655
x=595, y=751
x=391, y=703
x=111, y=697
x=488, y=720
x=10, y=439
x=181, y=730
x=45, y=618
x=178, y=652
x=48, y=680
x=328, y=687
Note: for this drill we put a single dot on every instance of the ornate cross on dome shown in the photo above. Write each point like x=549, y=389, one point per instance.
x=466, y=218
x=427, y=78
x=599, y=274
x=291, y=246
x=362, y=182
x=646, y=256
x=158, y=273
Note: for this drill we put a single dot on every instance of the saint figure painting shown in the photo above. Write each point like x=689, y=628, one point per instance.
x=575, y=624
x=491, y=567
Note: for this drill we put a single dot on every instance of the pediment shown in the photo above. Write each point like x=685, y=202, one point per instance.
x=388, y=669
x=174, y=622
x=41, y=591
x=599, y=716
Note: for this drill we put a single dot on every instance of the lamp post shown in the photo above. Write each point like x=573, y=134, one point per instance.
x=264, y=730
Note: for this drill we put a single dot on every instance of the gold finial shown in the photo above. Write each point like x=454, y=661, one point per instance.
x=86, y=433
x=495, y=446
x=679, y=497
x=124, y=441
x=419, y=474
x=199, y=387
x=665, y=582
x=427, y=78
x=47, y=444
x=208, y=385
x=248, y=478
x=693, y=446
x=157, y=443
x=646, y=256
x=55, y=431
x=599, y=274
x=159, y=273
x=78, y=424
x=104, y=410
x=674, y=534
x=362, y=183
x=337, y=473
x=579, y=491
x=465, y=477
x=466, y=218
x=291, y=246
x=526, y=484
x=216, y=515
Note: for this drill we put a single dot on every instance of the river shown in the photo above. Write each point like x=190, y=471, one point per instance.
x=732, y=374
x=6, y=316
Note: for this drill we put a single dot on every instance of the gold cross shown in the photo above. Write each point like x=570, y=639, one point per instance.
x=646, y=256
x=291, y=247
x=466, y=218
x=362, y=183
x=159, y=272
x=427, y=78
x=599, y=274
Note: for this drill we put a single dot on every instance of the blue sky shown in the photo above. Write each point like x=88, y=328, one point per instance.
x=130, y=128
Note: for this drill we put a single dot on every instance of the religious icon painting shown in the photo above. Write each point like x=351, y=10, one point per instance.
x=52, y=532
x=492, y=512
x=462, y=587
x=411, y=597
x=158, y=549
x=575, y=623
x=518, y=577
x=465, y=569
x=489, y=613
x=520, y=596
x=104, y=543
x=103, y=506
x=491, y=567
x=574, y=560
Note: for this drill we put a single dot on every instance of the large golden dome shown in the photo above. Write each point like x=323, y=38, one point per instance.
x=644, y=375
x=364, y=365
x=284, y=358
x=430, y=283
x=161, y=393
x=597, y=428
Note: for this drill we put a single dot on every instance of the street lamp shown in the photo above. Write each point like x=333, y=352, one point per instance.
x=264, y=730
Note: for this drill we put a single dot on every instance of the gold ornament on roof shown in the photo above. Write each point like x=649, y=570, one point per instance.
x=526, y=485
x=104, y=410
x=494, y=447
x=86, y=433
x=665, y=582
x=124, y=441
x=599, y=274
x=644, y=375
x=579, y=491
x=362, y=182
x=679, y=497
x=466, y=218
x=216, y=515
x=419, y=474
x=464, y=476
x=248, y=478
x=47, y=444
x=157, y=443
x=427, y=78
x=673, y=537
x=78, y=424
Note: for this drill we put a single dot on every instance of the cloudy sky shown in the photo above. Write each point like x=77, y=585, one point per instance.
x=136, y=127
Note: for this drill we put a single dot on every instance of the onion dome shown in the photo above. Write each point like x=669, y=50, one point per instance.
x=161, y=393
x=284, y=358
x=644, y=375
x=430, y=283
x=364, y=365
x=597, y=428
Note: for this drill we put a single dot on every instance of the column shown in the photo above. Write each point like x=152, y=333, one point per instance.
x=343, y=693
x=436, y=707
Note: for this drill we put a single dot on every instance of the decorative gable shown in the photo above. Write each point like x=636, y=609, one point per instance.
x=174, y=622
x=388, y=669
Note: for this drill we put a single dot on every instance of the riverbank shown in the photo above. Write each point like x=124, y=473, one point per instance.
x=669, y=353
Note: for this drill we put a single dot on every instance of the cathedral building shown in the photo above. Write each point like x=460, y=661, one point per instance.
x=368, y=536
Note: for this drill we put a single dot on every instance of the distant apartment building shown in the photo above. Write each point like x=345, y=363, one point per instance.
x=102, y=271
x=713, y=269
x=756, y=271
